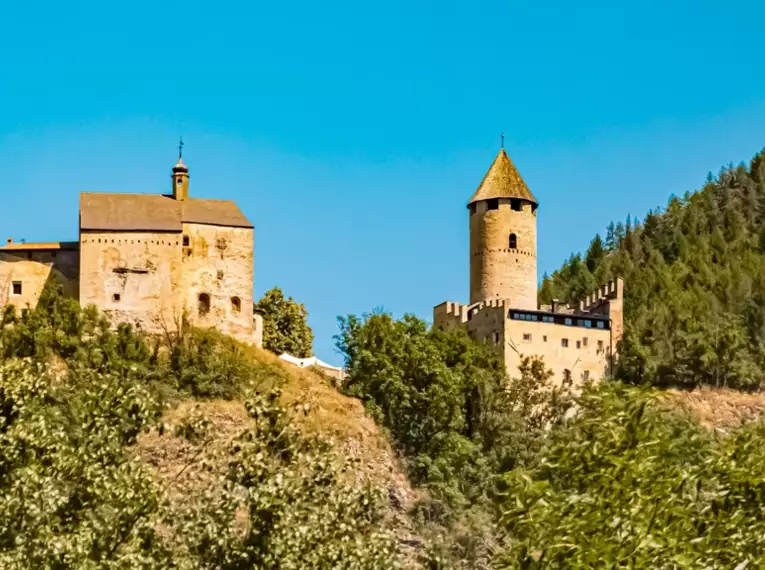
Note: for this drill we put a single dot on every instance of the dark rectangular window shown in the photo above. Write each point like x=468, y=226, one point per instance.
x=471, y=207
x=527, y=337
x=515, y=204
x=185, y=241
x=578, y=344
x=16, y=287
x=564, y=342
x=492, y=204
x=116, y=297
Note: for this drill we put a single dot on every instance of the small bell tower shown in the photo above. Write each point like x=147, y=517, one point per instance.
x=180, y=176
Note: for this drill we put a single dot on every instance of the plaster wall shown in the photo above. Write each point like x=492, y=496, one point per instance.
x=133, y=277
x=587, y=355
x=33, y=270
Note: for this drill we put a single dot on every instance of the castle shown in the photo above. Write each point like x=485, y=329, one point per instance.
x=577, y=343
x=151, y=260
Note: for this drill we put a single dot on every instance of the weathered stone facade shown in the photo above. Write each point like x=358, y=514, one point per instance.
x=498, y=271
x=218, y=262
x=25, y=269
x=149, y=260
x=577, y=343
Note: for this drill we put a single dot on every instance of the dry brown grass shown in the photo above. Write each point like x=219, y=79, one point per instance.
x=718, y=408
x=183, y=466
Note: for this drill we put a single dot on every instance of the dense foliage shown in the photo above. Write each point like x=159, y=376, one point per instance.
x=285, y=328
x=627, y=483
x=449, y=408
x=76, y=396
x=694, y=284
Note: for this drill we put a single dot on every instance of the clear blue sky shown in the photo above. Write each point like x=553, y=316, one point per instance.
x=352, y=134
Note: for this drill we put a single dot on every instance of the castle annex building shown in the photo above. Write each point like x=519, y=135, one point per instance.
x=148, y=260
x=578, y=343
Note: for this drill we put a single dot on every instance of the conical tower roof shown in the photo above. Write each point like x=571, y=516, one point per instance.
x=502, y=181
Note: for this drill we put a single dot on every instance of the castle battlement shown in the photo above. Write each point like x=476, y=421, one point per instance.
x=577, y=342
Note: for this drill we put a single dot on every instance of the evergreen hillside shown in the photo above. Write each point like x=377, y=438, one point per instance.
x=694, y=277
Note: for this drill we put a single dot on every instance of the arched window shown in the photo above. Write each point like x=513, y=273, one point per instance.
x=513, y=241
x=203, y=305
x=236, y=304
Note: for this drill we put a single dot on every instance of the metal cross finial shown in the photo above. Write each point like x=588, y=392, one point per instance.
x=502, y=140
x=180, y=149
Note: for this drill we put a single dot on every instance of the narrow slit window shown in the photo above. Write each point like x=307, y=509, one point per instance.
x=236, y=304
x=186, y=241
x=513, y=241
x=567, y=377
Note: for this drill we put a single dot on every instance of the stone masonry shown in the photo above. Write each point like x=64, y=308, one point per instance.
x=577, y=343
x=149, y=260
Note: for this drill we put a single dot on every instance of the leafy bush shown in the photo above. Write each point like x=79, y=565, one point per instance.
x=75, y=395
x=628, y=483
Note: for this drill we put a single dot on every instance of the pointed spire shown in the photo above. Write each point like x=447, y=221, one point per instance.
x=502, y=181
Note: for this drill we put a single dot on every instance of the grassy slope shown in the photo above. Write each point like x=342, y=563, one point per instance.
x=181, y=464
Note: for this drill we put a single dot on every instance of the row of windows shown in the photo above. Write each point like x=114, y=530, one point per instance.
x=493, y=204
x=560, y=319
x=567, y=381
x=564, y=341
x=203, y=302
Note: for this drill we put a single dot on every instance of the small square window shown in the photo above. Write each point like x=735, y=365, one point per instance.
x=116, y=297
x=527, y=337
x=600, y=345
x=515, y=204
x=601, y=325
x=492, y=204
x=564, y=342
x=16, y=288
x=220, y=274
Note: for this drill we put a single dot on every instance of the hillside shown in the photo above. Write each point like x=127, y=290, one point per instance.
x=694, y=284
x=189, y=451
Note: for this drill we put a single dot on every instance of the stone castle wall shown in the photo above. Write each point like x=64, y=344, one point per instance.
x=33, y=270
x=496, y=270
x=133, y=277
x=218, y=262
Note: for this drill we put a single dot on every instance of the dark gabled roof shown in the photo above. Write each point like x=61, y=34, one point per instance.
x=502, y=181
x=154, y=212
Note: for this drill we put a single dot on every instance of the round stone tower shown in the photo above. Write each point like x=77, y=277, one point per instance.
x=503, y=237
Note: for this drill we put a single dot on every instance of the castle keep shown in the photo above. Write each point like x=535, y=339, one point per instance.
x=149, y=260
x=578, y=343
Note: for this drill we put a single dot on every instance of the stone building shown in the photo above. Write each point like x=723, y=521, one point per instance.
x=577, y=343
x=148, y=259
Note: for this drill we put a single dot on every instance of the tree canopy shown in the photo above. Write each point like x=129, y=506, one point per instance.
x=694, y=277
x=285, y=328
